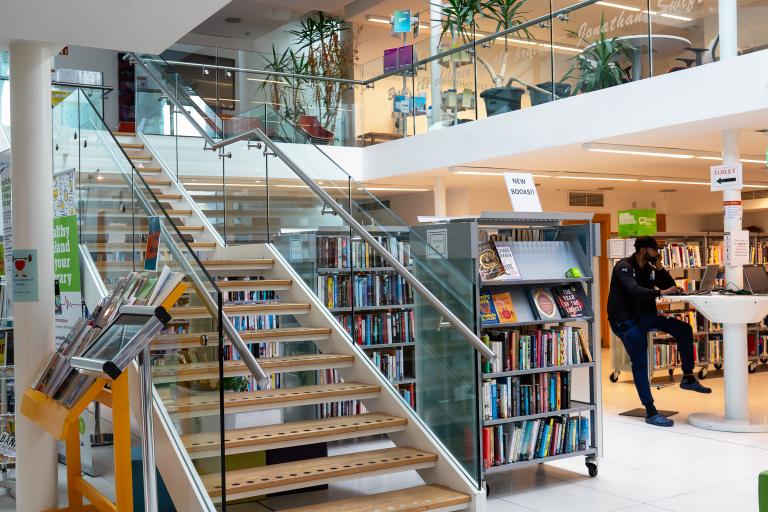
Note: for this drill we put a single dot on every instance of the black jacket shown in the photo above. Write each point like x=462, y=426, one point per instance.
x=634, y=289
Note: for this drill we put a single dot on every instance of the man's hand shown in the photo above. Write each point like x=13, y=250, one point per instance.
x=674, y=290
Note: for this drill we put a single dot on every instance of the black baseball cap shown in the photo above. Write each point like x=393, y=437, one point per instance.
x=646, y=241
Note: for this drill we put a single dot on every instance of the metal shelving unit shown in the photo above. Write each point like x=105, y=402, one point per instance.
x=544, y=261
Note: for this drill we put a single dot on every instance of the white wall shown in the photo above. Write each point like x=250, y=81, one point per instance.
x=92, y=59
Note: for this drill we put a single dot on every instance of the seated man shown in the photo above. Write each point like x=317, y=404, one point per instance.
x=635, y=284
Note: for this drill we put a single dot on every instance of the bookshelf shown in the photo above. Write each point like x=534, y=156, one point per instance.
x=544, y=382
x=685, y=256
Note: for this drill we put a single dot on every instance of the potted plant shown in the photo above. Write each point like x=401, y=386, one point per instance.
x=599, y=65
x=459, y=19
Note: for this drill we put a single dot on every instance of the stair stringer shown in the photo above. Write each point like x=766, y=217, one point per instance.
x=447, y=471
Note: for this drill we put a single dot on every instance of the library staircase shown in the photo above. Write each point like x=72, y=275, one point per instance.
x=323, y=388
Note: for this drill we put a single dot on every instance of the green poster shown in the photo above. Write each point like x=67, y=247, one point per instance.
x=638, y=222
x=66, y=264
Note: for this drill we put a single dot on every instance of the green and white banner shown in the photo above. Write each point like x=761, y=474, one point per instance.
x=66, y=257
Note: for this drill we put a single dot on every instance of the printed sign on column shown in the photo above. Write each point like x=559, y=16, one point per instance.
x=726, y=177
x=736, y=248
x=66, y=257
x=5, y=192
x=522, y=192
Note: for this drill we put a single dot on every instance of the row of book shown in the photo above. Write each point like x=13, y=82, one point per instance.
x=708, y=351
x=512, y=397
x=392, y=363
x=250, y=295
x=343, y=291
x=254, y=322
x=380, y=328
x=513, y=235
x=342, y=252
x=340, y=408
x=547, y=304
x=57, y=379
x=680, y=255
x=530, y=348
x=665, y=355
x=408, y=391
x=535, y=439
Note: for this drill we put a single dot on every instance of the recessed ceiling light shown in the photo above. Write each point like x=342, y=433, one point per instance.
x=233, y=19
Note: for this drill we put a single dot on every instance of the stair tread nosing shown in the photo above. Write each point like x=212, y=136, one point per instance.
x=244, y=262
x=271, y=398
x=270, y=363
x=311, y=333
x=253, y=284
x=411, y=499
x=240, y=309
x=311, y=472
x=258, y=437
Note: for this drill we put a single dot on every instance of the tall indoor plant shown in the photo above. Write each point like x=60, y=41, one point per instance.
x=459, y=20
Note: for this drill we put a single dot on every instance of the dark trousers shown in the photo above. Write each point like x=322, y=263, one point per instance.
x=634, y=335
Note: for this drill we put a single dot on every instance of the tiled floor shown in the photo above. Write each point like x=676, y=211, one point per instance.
x=643, y=469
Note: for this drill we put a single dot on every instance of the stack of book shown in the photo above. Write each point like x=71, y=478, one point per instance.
x=511, y=397
x=530, y=348
x=341, y=252
x=535, y=439
x=57, y=379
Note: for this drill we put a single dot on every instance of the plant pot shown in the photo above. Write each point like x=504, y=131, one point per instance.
x=538, y=96
x=499, y=100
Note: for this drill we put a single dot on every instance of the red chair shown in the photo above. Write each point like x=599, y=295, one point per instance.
x=311, y=126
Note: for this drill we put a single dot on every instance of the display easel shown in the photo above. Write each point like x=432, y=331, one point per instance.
x=64, y=425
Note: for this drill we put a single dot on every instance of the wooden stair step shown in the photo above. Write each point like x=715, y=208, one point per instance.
x=168, y=197
x=124, y=246
x=124, y=134
x=132, y=145
x=270, y=437
x=308, y=473
x=285, y=334
x=110, y=228
x=254, y=285
x=206, y=404
x=117, y=179
x=210, y=370
x=412, y=499
x=153, y=170
x=145, y=157
x=113, y=213
x=188, y=312
x=253, y=264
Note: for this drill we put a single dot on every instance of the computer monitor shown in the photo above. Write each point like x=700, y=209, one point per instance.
x=755, y=278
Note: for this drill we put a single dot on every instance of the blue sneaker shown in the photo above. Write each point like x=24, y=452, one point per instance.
x=695, y=385
x=659, y=420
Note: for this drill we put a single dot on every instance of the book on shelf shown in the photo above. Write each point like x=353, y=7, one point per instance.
x=514, y=235
x=380, y=328
x=497, y=262
x=408, y=392
x=512, y=397
x=534, y=439
x=340, y=252
x=572, y=301
x=543, y=304
x=504, y=307
x=679, y=255
x=340, y=408
x=339, y=291
x=488, y=313
x=391, y=363
x=531, y=348
x=715, y=254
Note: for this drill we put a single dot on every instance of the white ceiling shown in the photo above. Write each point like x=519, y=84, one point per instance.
x=137, y=25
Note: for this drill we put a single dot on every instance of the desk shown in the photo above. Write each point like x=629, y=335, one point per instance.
x=734, y=312
x=663, y=46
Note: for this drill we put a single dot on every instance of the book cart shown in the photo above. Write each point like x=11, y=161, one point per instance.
x=545, y=246
x=685, y=256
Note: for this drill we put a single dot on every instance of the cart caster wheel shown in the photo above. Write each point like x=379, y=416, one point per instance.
x=702, y=374
x=614, y=377
x=592, y=468
x=671, y=372
x=487, y=489
x=764, y=359
x=718, y=366
x=752, y=368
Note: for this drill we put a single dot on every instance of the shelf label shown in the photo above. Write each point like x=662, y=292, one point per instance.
x=726, y=177
x=522, y=192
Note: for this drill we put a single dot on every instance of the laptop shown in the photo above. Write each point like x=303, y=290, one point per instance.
x=755, y=279
x=707, y=281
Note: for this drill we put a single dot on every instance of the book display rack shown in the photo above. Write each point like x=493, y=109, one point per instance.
x=685, y=256
x=532, y=295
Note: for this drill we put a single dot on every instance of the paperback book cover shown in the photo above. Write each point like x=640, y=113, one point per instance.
x=543, y=303
x=572, y=301
x=488, y=313
x=505, y=309
x=497, y=262
x=151, y=255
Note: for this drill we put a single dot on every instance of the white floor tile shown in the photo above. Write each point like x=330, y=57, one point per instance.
x=571, y=497
x=642, y=485
x=746, y=487
x=709, y=500
x=497, y=505
x=643, y=508
x=707, y=471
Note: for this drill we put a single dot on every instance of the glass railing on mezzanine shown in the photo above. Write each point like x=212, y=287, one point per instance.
x=116, y=206
x=495, y=62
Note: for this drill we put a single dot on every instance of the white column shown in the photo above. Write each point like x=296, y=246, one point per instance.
x=32, y=183
x=441, y=204
x=435, y=69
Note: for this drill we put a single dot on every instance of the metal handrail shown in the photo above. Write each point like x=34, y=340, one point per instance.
x=349, y=81
x=237, y=342
x=448, y=316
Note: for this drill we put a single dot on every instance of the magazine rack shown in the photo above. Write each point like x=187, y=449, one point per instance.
x=64, y=424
